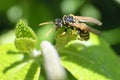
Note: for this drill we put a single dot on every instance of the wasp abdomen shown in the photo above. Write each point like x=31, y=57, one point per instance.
x=84, y=35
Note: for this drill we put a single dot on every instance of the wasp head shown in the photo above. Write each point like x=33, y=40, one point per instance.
x=58, y=22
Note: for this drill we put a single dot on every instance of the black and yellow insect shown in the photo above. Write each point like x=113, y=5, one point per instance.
x=77, y=23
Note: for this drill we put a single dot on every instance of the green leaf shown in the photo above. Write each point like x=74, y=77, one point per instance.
x=7, y=37
x=46, y=32
x=25, y=44
x=62, y=40
x=112, y=36
x=118, y=1
x=93, y=59
x=25, y=37
x=16, y=66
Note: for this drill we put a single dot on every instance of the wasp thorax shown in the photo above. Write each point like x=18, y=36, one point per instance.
x=68, y=19
x=58, y=22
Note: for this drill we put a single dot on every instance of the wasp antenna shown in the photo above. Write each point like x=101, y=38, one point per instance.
x=44, y=23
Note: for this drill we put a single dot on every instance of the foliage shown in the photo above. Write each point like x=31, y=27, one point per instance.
x=21, y=57
x=25, y=37
x=79, y=58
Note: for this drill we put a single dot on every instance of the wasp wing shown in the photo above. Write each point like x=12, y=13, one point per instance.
x=83, y=26
x=87, y=19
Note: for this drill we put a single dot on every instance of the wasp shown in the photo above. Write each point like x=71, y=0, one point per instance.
x=77, y=23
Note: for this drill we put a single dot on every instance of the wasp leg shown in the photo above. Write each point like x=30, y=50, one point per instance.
x=73, y=30
x=64, y=32
x=80, y=39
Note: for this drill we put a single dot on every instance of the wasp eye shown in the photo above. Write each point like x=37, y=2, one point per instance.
x=58, y=22
x=68, y=19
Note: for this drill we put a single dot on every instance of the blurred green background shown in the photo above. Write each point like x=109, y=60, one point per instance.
x=37, y=11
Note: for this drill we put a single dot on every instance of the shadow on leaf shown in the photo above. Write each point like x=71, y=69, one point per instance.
x=32, y=71
x=99, y=60
x=25, y=59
